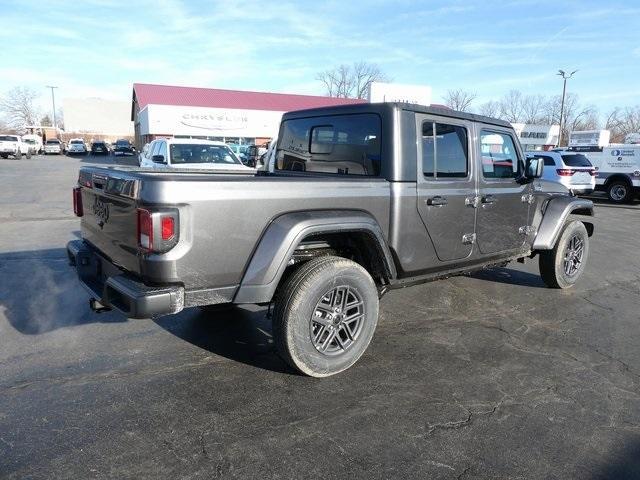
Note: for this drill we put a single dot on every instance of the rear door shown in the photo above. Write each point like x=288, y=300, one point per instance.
x=446, y=185
x=503, y=212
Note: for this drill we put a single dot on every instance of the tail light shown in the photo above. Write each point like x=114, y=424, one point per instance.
x=145, y=229
x=157, y=231
x=77, y=201
x=565, y=172
x=594, y=172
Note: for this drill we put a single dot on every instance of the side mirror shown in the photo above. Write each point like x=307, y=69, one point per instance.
x=158, y=159
x=534, y=167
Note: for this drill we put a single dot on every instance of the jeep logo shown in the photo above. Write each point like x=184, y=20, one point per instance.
x=101, y=211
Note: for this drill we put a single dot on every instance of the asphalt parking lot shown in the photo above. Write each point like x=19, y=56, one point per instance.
x=483, y=376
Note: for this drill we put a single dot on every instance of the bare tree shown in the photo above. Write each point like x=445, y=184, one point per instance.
x=622, y=123
x=459, y=99
x=19, y=108
x=511, y=106
x=354, y=81
x=490, y=109
x=532, y=108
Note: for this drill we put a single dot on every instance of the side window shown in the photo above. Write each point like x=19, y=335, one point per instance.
x=499, y=155
x=155, y=148
x=548, y=161
x=445, y=151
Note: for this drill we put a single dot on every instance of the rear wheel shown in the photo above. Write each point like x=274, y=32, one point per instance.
x=620, y=191
x=29, y=154
x=562, y=266
x=325, y=315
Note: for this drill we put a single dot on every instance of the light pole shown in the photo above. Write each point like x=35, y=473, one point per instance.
x=53, y=101
x=565, y=77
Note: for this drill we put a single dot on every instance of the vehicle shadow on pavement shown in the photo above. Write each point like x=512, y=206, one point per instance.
x=239, y=334
x=39, y=293
x=625, y=465
x=510, y=276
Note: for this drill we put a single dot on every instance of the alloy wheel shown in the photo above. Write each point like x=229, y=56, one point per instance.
x=337, y=320
x=573, y=255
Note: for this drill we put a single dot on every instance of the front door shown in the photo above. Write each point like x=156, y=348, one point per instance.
x=446, y=185
x=504, y=202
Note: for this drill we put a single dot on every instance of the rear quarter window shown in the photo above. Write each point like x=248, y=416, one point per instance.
x=577, y=160
x=335, y=144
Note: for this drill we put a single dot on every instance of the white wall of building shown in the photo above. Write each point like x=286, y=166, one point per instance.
x=536, y=137
x=97, y=116
x=205, y=121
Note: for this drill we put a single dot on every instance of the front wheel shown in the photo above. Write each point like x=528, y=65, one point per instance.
x=620, y=191
x=325, y=315
x=562, y=266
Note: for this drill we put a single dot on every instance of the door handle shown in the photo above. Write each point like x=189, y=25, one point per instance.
x=436, y=201
x=488, y=199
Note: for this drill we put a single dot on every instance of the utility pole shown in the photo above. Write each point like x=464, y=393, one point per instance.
x=565, y=77
x=53, y=101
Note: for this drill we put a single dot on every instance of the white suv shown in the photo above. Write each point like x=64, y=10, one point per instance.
x=571, y=169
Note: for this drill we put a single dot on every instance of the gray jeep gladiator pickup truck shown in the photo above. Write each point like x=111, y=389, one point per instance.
x=359, y=199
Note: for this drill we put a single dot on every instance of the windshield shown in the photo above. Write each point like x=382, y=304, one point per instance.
x=29, y=140
x=122, y=143
x=76, y=142
x=8, y=138
x=194, y=153
x=53, y=142
x=577, y=160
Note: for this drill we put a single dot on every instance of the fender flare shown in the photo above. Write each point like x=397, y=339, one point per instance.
x=282, y=237
x=556, y=212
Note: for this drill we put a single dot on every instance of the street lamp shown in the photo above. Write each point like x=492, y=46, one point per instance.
x=53, y=101
x=565, y=77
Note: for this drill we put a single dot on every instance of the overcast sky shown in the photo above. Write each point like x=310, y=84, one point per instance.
x=100, y=47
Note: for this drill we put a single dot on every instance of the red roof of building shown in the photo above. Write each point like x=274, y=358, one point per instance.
x=147, y=94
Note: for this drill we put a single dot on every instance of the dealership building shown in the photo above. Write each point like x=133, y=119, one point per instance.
x=232, y=116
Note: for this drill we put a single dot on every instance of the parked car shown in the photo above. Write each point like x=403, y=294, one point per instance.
x=99, y=147
x=123, y=147
x=77, y=145
x=13, y=145
x=571, y=169
x=53, y=145
x=185, y=153
x=253, y=153
x=34, y=141
x=362, y=199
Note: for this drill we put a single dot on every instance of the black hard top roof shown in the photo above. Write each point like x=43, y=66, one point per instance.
x=388, y=107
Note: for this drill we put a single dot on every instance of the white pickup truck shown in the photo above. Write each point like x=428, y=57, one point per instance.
x=13, y=145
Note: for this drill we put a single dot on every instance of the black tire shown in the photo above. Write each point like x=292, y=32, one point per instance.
x=297, y=316
x=28, y=155
x=620, y=191
x=4, y=155
x=17, y=155
x=554, y=270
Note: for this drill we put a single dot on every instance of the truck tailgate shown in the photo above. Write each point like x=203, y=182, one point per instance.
x=109, y=220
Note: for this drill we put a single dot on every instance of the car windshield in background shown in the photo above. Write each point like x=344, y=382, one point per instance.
x=76, y=142
x=8, y=138
x=194, y=153
x=53, y=142
x=577, y=160
x=122, y=144
x=30, y=141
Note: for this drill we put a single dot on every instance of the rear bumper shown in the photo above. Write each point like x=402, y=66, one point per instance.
x=116, y=289
x=582, y=190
